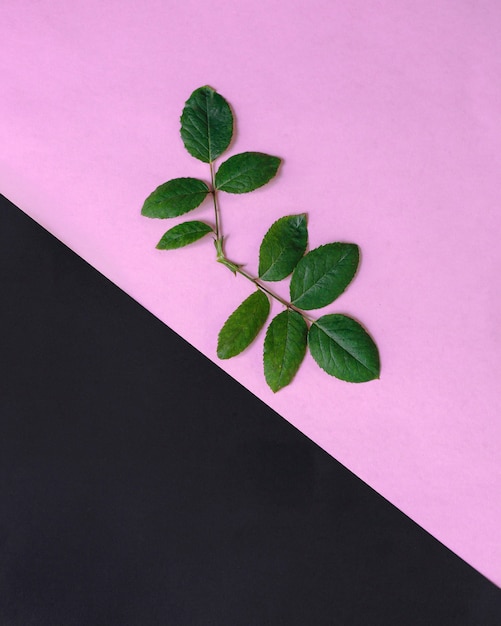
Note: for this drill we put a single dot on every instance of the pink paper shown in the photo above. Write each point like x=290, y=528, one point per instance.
x=387, y=116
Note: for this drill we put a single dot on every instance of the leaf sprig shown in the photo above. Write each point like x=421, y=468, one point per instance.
x=338, y=343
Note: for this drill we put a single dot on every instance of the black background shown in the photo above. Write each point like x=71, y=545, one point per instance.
x=140, y=485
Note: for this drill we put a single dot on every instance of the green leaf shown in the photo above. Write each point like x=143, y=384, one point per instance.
x=175, y=197
x=323, y=274
x=183, y=234
x=284, y=348
x=282, y=247
x=246, y=171
x=206, y=124
x=344, y=349
x=243, y=325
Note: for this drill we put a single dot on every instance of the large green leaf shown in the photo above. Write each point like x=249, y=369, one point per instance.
x=282, y=247
x=284, y=348
x=246, y=171
x=243, y=325
x=206, y=124
x=344, y=349
x=183, y=234
x=175, y=197
x=323, y=274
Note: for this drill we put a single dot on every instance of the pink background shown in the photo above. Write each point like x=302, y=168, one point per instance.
x=387, y=116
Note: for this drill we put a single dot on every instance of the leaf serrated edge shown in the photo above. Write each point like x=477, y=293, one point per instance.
x=276, y=160
x=377, y=374
x=231, y=316
x=290, y=313
x=262, y=276
x=326, y=245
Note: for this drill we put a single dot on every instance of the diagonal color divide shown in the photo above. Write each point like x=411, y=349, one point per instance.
x=387, y=119
x=115, y=480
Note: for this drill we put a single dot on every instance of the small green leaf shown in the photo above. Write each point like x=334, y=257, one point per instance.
x=282, y=247
x=246, y=171
x=344, y=349
x=183, y=234
x=284, y=348
x=323, y=274
x=206, y=124
x=175, y=197
x=243, y=325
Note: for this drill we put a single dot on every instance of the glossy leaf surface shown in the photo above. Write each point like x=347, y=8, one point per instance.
x=183, y=234
x=206, y=124
x=344, y=349
x=175, y=197
x=283, y=246
x=243, y=325
x=246, y=172
x=323, y=274
x=284, y=348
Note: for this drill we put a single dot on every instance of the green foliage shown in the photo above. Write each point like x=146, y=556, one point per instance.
x=282, y=247
x=175, y=197
x=206, y=124
x=243, y=325
x=183, y=234
x=246, y=172
x=339, y=344
x=344, y=349
x=323, y=274
x=284, y=348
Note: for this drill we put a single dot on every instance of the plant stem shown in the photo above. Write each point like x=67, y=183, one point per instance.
x=260, y=285
x=235, y=267
x=216, y=207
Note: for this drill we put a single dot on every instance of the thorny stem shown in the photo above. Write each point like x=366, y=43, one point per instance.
x=235, y=267
x=216, y=207
x=259, y=284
